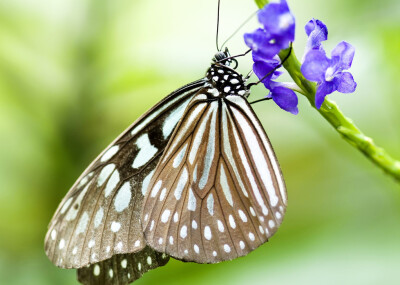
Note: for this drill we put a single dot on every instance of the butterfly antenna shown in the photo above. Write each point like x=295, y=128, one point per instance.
x=216, y=36
x=239, y=28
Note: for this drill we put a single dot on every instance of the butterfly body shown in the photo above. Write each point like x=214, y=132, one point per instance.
x=217, y=192
x=195, y=178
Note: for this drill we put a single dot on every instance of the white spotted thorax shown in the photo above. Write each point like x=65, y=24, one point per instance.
x=194, y=178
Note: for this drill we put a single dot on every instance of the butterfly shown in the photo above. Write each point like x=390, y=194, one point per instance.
x=194, y=178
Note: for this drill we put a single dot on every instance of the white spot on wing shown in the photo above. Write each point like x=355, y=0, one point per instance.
x=156, y=188
x=191, y=201
x=225, y=186
x=96, y=270
x=163, y=193
x=119, y=246
x=251, y=236
x=146, y=151
x=109, y=153
x=105, y=173
x=183, y=179
x=123, y=197
x=62, y=244
x=207, y=233
x=227, y=248
x=210, y=204
x=112, y=183
x=243, y=216
x=146, y=182
x=179, y=158
x=66, y=205
x=115, y=226
x=83, y=222
x=53, y=234
x=124, y=263
x=220, y=226
x=171, y=121
x=271, y=224
x=165, y=216
x=232, y=222
x=183, y=232
x=98, y=217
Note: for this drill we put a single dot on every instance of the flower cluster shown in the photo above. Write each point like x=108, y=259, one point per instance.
x=327, y=72
x=266, y=42
x=276, y=34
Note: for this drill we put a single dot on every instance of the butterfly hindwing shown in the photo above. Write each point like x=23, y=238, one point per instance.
x=122, y=268
x=217, y=192
x=100, y=215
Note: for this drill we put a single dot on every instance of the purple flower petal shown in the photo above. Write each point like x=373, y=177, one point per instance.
x=346, y=83
x=261, y=43
x=323, y=89
x=261, y=69
x=279, y=22
x=344, y=52
x=317, y=32
x=286, y=99
x=315, y=65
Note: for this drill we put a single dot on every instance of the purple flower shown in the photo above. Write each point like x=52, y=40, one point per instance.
x=279, y=22
x=266, y=42
x=317, y=32
x=277, y=32
x=329, y=73
x=261, y=43
x=285, y=98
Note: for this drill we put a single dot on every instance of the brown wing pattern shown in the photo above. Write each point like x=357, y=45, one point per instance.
x=122, y=269
x=100, y=215
x=217, y=192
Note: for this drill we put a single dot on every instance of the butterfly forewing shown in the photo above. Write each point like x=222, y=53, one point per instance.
x=217, y=192
x=100, y=215
x=122, y=268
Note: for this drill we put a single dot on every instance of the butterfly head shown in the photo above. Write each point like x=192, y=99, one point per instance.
x=223, y=57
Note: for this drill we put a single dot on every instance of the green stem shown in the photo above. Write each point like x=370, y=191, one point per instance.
x=343, y=125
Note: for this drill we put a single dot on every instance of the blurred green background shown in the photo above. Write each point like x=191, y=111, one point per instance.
x=74, y=74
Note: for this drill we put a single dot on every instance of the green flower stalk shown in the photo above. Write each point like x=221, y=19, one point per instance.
x=337, y=80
